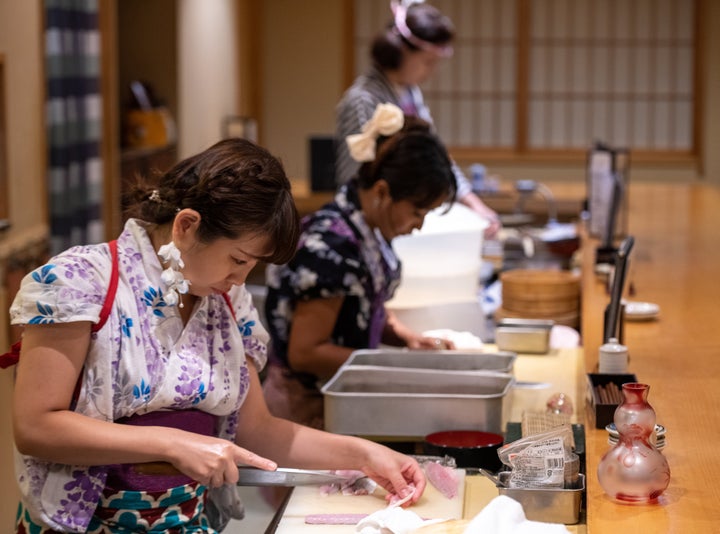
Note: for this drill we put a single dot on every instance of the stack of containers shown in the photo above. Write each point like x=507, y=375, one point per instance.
x=440, y=272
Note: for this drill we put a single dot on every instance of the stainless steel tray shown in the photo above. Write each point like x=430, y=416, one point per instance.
x=444, y=360
x=549, y=505
x=531, y=336
x=376, y=401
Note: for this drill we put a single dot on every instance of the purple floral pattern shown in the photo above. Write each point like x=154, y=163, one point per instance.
x=143, y=360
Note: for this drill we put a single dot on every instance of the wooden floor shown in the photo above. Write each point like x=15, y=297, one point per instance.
x=675, y=263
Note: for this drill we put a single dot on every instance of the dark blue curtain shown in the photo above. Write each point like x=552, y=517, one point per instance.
x=74, y=122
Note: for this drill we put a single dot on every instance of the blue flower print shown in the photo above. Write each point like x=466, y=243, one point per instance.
x=142, y=391
x=201, y=394
x=45, y=274
x=45, y=317
x=154, y=298
x=126, y=324
x=246, y=328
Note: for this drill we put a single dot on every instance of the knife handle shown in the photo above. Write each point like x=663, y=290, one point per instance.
x=156, y=468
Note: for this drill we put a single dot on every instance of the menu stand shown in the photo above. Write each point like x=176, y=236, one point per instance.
x=607, y=186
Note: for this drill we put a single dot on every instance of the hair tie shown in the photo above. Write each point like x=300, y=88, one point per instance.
x=386, y=120
x=155, y=196
x=399, y=10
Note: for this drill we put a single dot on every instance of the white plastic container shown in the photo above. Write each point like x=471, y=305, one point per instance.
x=460, y=316
x=441, y=262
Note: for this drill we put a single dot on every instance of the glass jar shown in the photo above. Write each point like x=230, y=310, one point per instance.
x=634, y=470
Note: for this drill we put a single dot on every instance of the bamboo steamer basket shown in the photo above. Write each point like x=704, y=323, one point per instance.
x=540, y=307
x=540, y=284
x=541, y=294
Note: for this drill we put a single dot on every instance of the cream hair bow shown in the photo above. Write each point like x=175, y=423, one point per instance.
x=387, y=120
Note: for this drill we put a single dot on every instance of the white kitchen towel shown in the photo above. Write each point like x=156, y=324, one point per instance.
x=504, y=515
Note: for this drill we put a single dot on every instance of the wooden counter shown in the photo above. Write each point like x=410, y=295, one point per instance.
x=675, y=263
x=563, y=371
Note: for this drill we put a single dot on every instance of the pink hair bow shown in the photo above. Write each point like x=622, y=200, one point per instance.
x=399, y=10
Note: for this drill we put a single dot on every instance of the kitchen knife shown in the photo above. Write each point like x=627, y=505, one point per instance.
x=282, y=476
x=252, y=476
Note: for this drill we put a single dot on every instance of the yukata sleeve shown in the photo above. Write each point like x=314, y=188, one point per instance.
x=255, y=336
x=328, y=265
x=71, y=287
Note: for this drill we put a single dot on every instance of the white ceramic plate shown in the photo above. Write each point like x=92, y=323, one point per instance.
x=603, y=270
x=659, y=430
x=659, y=437
x=659, y=444
x=641, y=311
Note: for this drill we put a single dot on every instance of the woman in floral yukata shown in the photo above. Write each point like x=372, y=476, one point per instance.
x=329, y=300
x=172, y=375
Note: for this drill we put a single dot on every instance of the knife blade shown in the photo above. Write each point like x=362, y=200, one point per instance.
x=253, y=476
x=283, y=476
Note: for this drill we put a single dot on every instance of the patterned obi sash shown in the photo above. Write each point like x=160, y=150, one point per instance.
x=124, y=477
x=135, y=502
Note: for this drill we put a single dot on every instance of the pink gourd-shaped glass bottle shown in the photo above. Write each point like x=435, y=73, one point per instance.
x=634, y=471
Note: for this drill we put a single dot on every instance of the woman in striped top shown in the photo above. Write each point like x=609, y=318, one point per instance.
x=404, y=55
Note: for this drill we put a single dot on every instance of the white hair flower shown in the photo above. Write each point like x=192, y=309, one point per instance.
x=172, y=277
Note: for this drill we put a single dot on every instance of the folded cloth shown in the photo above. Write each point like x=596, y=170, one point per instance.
x=504, y=515
x=564, y=337
x=462, y=340
x=391, y=520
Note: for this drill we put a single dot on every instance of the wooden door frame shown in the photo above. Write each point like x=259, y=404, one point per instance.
x=110, y=145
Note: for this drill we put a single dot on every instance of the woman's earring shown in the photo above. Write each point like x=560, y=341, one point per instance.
x=172, y=276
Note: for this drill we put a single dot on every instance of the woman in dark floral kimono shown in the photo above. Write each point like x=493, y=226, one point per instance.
x=330, y=298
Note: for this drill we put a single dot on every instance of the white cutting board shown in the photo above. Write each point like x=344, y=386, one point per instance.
x=307, y=500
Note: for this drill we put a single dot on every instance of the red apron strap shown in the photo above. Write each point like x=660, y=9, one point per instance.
x=107, y=306
x=11, y=357
x=112, y=288
x=229, y=303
